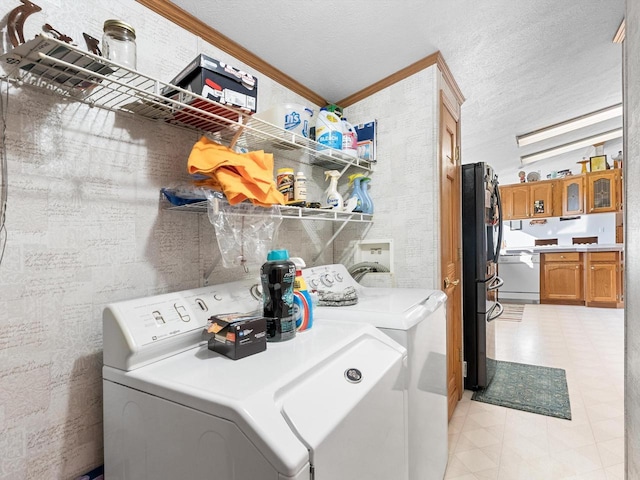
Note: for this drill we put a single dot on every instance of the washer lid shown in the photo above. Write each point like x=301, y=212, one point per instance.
x=391, y=308
x=350, y=413
x=244, y=391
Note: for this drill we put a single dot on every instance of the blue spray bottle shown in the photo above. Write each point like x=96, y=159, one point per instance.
x=357, y=192
x=367, y=206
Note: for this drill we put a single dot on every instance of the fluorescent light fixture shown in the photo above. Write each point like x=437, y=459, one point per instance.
x=570, y=125
x=569, y=147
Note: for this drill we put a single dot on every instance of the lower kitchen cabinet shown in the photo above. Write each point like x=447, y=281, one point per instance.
x=604, y=279
x=561, y=278
x=593, y=279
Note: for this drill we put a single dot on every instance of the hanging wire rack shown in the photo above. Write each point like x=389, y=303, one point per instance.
x=65, y=70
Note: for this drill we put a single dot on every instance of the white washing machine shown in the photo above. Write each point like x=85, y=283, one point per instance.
x=415, y=318
x=327, y=405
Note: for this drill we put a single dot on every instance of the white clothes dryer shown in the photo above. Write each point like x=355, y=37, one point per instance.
x=326, y=405
x=415, y=318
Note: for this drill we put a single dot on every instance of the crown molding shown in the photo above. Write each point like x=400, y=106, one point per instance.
x=621, y=33
x=190, y=23
x=426, y=62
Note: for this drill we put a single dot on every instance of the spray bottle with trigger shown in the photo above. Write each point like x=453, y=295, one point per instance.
x=331, y=197
x=367, y=206
x=357, y=193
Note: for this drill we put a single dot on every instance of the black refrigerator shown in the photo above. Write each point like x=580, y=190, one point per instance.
x=481, y=239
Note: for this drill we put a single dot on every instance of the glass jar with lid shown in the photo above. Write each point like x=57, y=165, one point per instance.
x=119, y=43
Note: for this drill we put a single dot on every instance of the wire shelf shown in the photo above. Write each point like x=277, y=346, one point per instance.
x=82, y=76
x=286, y=211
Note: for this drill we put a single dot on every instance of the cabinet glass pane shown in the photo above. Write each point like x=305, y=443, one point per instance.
x=573, y=197
x=602, y=193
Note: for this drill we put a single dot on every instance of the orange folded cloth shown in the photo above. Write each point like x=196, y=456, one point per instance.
x=240, y=176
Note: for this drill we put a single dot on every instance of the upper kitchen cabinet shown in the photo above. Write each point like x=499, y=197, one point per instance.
x=604, y=191
x=540, y=201
x=529, y=200
x=515, y=202
x=573, y=195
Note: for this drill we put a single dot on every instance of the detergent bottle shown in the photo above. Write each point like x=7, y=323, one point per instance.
x=357, y=192
x=328, y=130
x=302, y=302
x=367, y=206
x=331, y=198
x=349, y=138
x=277, y=276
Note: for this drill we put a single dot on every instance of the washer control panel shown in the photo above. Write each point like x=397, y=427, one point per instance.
x=164, y=324
x=333, y=278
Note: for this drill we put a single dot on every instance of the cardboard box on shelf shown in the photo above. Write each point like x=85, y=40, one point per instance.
x=215, y=81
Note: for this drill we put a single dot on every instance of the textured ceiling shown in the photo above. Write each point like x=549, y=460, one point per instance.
x=520, y=65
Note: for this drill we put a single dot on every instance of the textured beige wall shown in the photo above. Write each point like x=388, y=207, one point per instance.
x=632, y=240
x=84, y=229
x=405, y=186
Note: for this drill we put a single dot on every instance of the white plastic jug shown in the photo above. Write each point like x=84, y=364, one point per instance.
x=349, y=139
x=329, y=130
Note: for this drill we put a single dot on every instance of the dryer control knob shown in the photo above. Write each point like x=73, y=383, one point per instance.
x=327, y=280
x=217, y=297
x=339, y=277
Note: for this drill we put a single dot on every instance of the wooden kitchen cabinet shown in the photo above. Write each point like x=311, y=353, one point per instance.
x=604, y=191
x=515, y=201
x=604, y=279
x=561, y=278
x=527, y=200
x=541, y=199
x=573, y=195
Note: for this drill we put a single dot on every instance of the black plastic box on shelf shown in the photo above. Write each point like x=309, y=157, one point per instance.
x=218, y=82
x=237, y=335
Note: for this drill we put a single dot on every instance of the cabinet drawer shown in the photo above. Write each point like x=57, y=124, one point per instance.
x=562, y=257
x=603, y=256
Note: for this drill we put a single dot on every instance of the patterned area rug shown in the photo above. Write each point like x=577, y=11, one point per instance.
x=512, y=312
x=531, y=388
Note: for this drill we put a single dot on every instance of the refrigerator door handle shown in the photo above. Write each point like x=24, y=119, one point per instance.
x=496, y=283
x=494, y=315
x=500, y=225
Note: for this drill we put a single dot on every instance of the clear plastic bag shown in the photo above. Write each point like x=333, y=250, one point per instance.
x=245, y=232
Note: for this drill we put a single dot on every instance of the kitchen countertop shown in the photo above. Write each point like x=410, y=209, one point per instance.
x=584, y=247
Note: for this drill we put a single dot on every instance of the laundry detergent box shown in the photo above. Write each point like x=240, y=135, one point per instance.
x=237, y=335
x=215, y=81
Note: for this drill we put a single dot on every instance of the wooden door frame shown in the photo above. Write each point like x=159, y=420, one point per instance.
x=445, y=103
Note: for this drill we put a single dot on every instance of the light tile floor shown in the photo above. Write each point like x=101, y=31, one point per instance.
x=488, y=442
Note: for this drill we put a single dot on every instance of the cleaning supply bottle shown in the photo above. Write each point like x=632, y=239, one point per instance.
x=328, y=130
x=277, y=276
x=302, y=302
x=367, y=206
x=349, y=138
x=357, y=193
x=300, y=187
x=331, y=198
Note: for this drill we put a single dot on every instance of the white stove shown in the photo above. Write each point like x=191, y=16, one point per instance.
x=308, y=408
x=415, y=318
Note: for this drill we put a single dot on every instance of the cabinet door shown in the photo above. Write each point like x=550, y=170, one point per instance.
x=573, y=195
x=561, y=278
x=506, y=199
x=540, y=199
x=562, y=281
x=601, y=283
x=604, y=279
x=520, y=202
x=603, y=191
